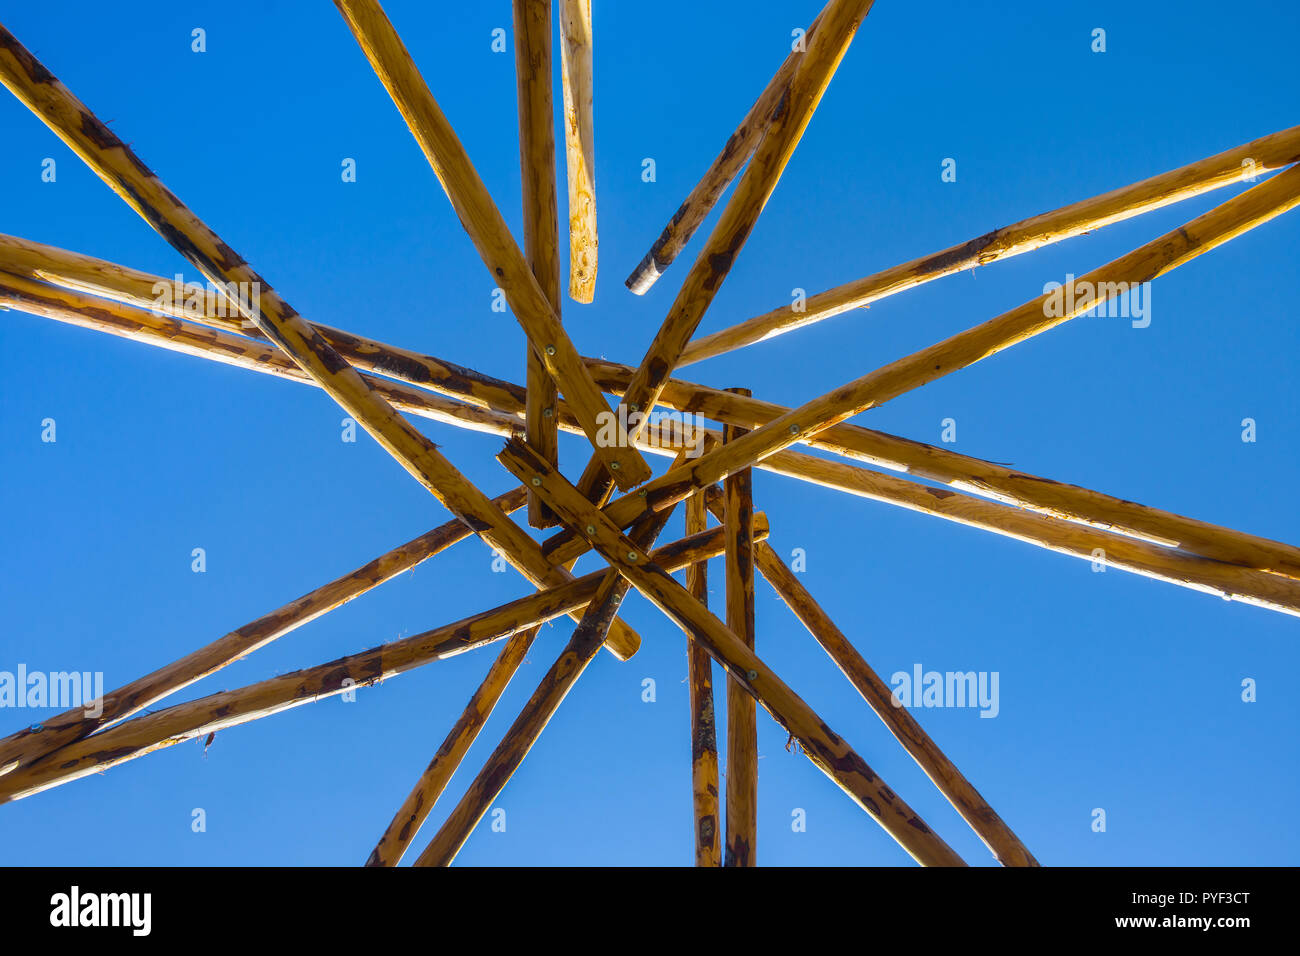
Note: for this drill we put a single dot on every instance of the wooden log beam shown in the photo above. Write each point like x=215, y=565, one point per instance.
x=697, y=206
x=878, y=449
x=704, y=737
x=537, y=712
x=1227, y=579
x=1006, y=847
x=410, y=816
x=186, y=721
x=122, y=170
x=1219, y=225
x=490, y=235
x=1258, y=156
x=579, y=145
x=532, y=21
x=26, y=746
x=741, y=845
x=714, y=262
x=114, y=317
x=828, y=752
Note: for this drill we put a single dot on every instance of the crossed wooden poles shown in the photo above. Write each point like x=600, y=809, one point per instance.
x=710, y=471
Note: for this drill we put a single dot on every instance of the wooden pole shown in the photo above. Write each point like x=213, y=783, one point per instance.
x=114, y=162
x=697, y=206
x=537, y=713
x=482, y=220
x=1219, y=225
x=714, y=262
x=828, y=752
x=579, y=145
x=26, y=746
x=704, y=737
x=741, y=847
x=1006, y=847
x=1227, y=579
x=878, y=449
x=113, y=317
x=532, y=19
x=1261, y=155
x=419, y=802
x=186, y=721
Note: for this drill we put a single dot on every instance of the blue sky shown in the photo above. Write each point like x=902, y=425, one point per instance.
x=1115, y=691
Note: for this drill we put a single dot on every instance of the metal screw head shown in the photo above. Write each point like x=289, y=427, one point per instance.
x=752, y=675
x=631, y=555
x=36, y=728
x=613, y=466
x=794, y=429
x=550, y=350
x=591, y=529
x=537, y=482
x=548, y=413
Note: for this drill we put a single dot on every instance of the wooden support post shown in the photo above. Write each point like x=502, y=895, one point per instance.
x=1012, y=486
x=532, y=20
x=704, y=737
x=537, y=713
x=828, y=752
x=1219, y=225
x=1260, y=155
x=579, y=145
x=714, y=262
x=697, y=206
x=741, y=847
x=114, y=162
x=482, y=220
x=185, y=721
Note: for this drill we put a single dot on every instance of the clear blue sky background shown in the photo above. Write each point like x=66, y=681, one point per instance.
x=1116, y=691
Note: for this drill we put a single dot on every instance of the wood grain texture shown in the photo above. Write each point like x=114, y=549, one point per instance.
x=697, y=206
x=1267, y=153
x=704, y=736
x=532, y=22
x=123, y=171
x=491, y=237
x=816, y=67
x=172, y=725
x=827, y=751
x=576, y=58
x=741, y=844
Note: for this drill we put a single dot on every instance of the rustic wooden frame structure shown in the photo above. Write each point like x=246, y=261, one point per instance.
x=377, y=383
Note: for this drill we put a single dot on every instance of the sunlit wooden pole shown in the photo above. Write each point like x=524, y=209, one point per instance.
x=1012, y=486
x=532, y=19
x=816, y=67
x=1232, y=166
x=486, y=227
x=186, y=721
x=697, y=206
x=123, y=171
x=828, y=752
x=579, y=145
x=1234, y=217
